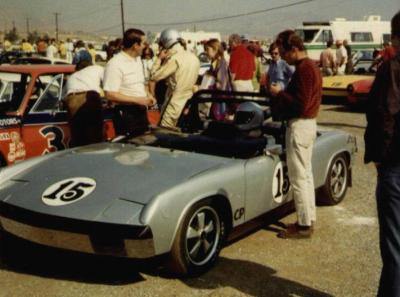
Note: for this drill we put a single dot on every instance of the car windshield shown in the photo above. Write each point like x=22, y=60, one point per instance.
x=12, y=90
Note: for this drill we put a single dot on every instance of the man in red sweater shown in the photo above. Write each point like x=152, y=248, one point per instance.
x=241, y=65
x=299, y=104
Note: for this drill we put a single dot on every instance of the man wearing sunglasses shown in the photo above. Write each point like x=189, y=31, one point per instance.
x=279, y=72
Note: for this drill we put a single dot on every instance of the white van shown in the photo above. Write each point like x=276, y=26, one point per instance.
x=365, y=35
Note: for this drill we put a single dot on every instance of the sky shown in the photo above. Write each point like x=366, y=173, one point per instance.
x=258, y=18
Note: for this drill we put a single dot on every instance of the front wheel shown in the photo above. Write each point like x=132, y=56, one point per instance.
x=337, y=181
x=198, y=241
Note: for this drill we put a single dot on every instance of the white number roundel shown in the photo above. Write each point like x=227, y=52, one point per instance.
x=68, y=191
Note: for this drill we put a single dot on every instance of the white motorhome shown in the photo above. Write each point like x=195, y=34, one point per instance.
x=361, y=35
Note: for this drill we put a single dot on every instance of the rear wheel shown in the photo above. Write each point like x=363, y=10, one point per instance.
x=337, y=181
x=198, y=241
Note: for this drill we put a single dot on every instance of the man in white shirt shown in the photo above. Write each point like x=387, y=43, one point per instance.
x=82, y=97
x=124, y=85
x=52, y=51
x=341, y=57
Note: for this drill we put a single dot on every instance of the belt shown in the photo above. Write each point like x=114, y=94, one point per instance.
x=80, y=93
x=76, y=93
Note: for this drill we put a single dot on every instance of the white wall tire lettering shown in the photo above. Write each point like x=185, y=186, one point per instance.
x=68, y=191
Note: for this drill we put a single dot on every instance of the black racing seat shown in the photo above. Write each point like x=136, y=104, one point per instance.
x=219, y=139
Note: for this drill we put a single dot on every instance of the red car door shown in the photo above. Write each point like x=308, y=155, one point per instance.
x=44, y=126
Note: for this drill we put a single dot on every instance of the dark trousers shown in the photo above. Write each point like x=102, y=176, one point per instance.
x=85, y=118
x=130, y=120
x=388, y=202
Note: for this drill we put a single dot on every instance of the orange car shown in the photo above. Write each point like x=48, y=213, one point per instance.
x=33, y=120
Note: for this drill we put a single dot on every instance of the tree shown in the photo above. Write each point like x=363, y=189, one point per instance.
x=33, y=37
x=12, y=35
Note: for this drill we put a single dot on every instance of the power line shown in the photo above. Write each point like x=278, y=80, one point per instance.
x=225, y=17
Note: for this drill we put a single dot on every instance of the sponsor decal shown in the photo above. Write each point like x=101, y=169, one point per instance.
x=4, y=136
x=238, y=213
x=9, y=122
x=16, y=148
x=280, y=183
x=68, y=191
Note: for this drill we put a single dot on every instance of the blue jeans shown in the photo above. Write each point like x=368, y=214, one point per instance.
x=388, y=202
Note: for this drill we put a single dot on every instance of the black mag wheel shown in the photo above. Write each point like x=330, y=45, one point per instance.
x=337, y=181
x=198, y=241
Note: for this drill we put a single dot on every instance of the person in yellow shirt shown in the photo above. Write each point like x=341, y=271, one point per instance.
x=7, y=45
x=26, y=47
x=62, y=50
x=92, y=52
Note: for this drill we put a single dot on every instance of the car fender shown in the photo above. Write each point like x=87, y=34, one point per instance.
x=326, y=149
x=165, y=212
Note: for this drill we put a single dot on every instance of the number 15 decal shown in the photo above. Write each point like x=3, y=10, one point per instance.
x=280, y=182
x=68, y=191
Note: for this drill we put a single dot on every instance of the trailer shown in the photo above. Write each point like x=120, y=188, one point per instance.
x=365, y=35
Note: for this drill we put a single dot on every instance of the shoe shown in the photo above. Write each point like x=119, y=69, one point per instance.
x=295, y=231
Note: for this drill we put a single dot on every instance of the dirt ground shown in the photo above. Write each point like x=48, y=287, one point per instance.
x=342, y=258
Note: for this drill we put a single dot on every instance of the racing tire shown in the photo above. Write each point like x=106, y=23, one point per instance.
x=198, y=241
x=3, y=162
x=336, y=183
x=2, y=245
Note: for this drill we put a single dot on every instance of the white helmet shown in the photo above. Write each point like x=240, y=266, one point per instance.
x=168, y=38
x=249, y=116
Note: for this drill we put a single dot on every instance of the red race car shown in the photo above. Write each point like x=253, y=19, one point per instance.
x=33, y=120
x=357, y=92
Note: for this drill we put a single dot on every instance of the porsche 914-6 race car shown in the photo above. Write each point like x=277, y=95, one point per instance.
x=174, y=193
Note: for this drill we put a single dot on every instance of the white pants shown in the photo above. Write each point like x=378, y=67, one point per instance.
x=300, y=137
x=341, y=69
x=243, y=86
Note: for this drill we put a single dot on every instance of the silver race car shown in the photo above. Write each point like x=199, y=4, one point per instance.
x=178, y=193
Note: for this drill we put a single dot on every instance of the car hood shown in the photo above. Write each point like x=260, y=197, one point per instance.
x=125, y=176
x=340, y=81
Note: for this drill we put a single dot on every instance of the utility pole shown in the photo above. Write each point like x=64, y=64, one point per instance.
x=122, y=17
x=57, y=14
x=27, y=27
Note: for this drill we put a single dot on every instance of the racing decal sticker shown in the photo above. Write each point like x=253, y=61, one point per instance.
x=238, y=213
x=68, y=191
x=9, y=122
x=16, y=149
x=4, y=136
x=280, y=183
x=55, y=138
